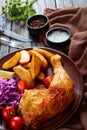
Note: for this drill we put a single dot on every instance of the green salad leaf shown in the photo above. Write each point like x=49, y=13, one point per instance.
x=16, y=10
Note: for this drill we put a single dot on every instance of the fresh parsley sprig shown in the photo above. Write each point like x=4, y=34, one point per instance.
x=17, y=10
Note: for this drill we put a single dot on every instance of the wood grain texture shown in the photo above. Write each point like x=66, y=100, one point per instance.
x=79, y=3
x=39, y=6
x=63, y=4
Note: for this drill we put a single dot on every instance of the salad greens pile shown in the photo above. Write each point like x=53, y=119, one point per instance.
x=16, y=10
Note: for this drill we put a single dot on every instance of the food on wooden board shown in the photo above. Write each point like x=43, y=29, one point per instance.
x=12, y=61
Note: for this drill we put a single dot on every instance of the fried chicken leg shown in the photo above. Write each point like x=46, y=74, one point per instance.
x=38, y=105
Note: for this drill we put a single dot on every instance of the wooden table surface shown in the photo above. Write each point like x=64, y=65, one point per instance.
x=39, y=6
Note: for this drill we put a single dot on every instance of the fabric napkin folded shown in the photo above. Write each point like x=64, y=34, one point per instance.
x=74, y=19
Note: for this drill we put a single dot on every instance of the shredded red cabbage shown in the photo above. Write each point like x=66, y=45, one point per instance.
x=8, y=93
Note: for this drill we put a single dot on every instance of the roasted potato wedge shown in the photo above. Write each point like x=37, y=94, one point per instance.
x=40, y=86
x=25, y=57
x=44, y=52
x=41, y=57
x=24, y=75
x=27, y=65
x=12, y=61
x=41, y=76
x=36, y=65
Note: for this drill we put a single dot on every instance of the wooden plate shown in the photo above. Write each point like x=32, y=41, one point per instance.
x=72, y=70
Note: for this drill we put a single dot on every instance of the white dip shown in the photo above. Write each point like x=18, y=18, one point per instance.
x=58, y=36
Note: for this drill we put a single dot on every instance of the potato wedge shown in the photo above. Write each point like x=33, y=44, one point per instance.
x=36, y=65
x=12, y=61
x=44, y=52
x=24, y=75
x=27, y=65
x=40, y=87
x=41, y=76
x=41, y=57
x=25, y=57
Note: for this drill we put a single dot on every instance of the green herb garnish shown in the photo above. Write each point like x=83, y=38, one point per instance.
x=17, y=10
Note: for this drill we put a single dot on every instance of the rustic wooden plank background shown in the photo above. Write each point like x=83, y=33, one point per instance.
x=39, y=6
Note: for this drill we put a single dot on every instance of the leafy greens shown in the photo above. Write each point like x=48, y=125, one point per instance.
x=17, y=10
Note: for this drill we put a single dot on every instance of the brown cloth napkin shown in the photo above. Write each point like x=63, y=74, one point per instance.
x=75, y=19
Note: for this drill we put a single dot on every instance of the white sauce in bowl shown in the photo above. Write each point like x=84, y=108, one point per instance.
x=58, y=36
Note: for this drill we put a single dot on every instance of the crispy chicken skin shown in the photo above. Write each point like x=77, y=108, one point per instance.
x=38, y=105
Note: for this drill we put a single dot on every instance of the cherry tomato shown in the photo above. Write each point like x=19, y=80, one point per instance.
x=22, y=86
x=47, y=81
x=16, y=123
x=8, y=112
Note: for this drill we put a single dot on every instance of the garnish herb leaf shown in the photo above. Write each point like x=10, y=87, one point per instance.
x=17, y=10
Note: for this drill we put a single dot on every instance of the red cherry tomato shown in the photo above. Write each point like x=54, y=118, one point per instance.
x=8, y=112
x=22, y=86
x=16, y=123
x=47, y=81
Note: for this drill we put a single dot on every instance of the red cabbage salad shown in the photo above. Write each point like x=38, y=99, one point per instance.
x=8, y=93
